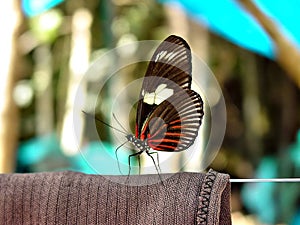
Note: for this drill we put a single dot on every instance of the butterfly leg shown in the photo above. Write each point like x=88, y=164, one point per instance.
x=157, y=159
x=139, y=160
x=129, y=162
x=116, y=153
x=157, y=170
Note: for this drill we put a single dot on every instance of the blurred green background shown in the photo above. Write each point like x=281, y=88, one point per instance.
x=44, y=55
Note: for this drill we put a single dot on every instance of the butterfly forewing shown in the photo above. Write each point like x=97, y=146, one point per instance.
x=168, y=72
x=174, y=124
x=171, y=60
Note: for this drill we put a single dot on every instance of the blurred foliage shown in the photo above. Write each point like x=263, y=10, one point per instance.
x=45, y=26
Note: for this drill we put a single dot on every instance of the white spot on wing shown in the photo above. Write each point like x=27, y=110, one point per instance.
x=160, y=88
x=161, y=93
x=149, y=98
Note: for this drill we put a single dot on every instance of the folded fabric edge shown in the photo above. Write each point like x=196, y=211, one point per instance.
x=210, y=199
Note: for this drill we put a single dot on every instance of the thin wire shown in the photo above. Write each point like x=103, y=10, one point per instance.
x=266, y=180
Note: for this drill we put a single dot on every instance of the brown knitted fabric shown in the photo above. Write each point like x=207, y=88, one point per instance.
x=76, y=198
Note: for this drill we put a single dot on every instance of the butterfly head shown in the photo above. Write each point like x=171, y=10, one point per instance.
x=130, y=137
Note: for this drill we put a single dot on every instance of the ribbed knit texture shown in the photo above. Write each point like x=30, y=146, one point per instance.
x=76, y=198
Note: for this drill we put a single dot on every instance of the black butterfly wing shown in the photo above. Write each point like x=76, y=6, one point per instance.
x=171, y=60
x=174, y=124
x=168, y=72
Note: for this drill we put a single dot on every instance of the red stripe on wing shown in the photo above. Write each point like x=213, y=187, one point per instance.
x=163, y=140
x=161, y=147
x=174, y=134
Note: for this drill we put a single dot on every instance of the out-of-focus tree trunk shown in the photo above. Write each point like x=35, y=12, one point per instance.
x=177, y=20
x=254, y=124
x=287, y=53
x=43, y=78
x=10, y=18
x=73, y=123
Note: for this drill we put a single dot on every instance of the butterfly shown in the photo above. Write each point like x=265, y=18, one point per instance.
x=169, y=113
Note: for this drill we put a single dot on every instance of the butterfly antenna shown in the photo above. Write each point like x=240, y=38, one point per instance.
x=114, y=116
x=107, y=124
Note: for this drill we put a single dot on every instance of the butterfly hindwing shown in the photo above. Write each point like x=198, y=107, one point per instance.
x=173, y=125
x=168, y=72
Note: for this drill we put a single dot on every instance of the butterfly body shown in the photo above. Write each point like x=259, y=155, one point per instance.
x=141, y=145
